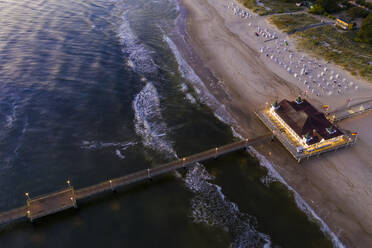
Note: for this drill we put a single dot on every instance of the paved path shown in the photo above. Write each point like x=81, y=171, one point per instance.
x=309, y=26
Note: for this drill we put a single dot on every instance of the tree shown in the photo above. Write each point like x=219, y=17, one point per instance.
x=317, y=9
x=329, y=6
x=357, y=12
x=365, y=32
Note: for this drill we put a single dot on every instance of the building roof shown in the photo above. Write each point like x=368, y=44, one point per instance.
x=343, y=20
x=305, y=119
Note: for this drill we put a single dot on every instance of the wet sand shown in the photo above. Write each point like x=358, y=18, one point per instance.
x=338, y=185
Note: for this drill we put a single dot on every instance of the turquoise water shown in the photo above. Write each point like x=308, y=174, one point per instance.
x=92, y=90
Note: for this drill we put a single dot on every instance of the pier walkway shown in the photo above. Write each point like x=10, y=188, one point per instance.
x=351, y=111
x=67, y=198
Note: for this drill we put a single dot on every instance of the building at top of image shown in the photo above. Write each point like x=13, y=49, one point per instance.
x=309, y=127
x=343, y=23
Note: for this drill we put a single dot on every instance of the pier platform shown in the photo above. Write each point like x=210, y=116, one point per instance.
x=50, y=203
x=351, y=111
x=291, y=144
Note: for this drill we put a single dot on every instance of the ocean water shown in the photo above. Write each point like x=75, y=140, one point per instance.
x=94, y=89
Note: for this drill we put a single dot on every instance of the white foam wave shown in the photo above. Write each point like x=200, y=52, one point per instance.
x=184, y=88
x=189, y=74
x=140, y=58
x=95, y=145
x=210, y=206
x=149, y=123
x=119, y=154
x=301, y=203
x=11, y=116
x=190, y=98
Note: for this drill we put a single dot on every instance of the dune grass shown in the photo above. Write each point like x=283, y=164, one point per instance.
x=289, y=23
x=339, y=47
x=275, y=6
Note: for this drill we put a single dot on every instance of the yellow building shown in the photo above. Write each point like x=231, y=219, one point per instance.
x=308, y=127
x=343, y=24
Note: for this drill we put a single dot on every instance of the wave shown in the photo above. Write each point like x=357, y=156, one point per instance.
x=210, y=206
x=139, y=57
x=189, y=74
x=120, y=147
x=9, y=115
x=95, y=145
x=149, y=122
x=119, y=154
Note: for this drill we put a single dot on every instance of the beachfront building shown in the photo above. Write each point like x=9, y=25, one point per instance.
x=344, y=24
x=308, y=128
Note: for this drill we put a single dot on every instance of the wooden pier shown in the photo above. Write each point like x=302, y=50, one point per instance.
x=67, y=198
x=350, y=111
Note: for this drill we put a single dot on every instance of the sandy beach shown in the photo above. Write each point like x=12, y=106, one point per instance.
x=337, y=185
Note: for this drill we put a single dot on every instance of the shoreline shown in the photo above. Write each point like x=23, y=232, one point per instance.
x=243, y=81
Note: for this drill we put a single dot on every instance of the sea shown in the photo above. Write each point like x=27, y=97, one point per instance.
x=96, y=89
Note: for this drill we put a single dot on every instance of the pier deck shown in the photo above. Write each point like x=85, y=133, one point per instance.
x=291, y=145
x=51, y=203
x=13, y=215
x=350, y=111
x=58, y=201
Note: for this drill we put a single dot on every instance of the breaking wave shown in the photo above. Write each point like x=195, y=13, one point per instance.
x=9, y=115
x=139, y=56
x=210, y=206
x=189, y=74
x=120, y=147
x=149, y=122
x=95, y=145
x=119, y=154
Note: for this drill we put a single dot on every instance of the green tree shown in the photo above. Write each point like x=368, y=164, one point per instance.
x=317, y=9
x=365, y=32
x=357, y=12
x=330, y=6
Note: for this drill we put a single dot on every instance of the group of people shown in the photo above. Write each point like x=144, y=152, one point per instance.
x=317, y=78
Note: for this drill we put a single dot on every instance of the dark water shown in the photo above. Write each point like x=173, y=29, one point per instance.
x=90, y=90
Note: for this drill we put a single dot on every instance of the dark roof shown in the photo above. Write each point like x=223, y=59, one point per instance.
x=305, y=119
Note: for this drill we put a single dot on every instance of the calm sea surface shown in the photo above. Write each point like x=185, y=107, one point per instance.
x=93, y=89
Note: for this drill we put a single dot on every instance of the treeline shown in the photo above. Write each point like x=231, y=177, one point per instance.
x=327, y=7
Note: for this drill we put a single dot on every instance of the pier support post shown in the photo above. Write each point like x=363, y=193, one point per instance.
x=148, y=174
x=183, y=163
x=73, y=202
x=112, y=188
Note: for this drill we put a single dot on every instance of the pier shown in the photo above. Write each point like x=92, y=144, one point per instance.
x=47, y=204
x=350, y=111
x=291, y=145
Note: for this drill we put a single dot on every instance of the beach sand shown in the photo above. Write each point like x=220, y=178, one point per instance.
x=337, y=185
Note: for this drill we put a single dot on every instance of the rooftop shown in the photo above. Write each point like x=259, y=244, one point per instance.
x=304, y=119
